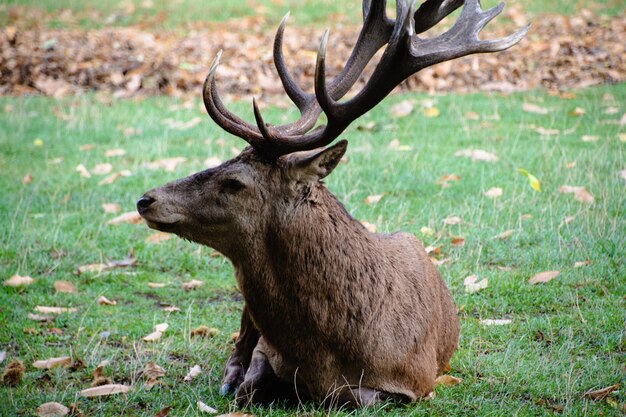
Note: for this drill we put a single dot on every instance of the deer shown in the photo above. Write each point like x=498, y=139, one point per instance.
x=333, y=313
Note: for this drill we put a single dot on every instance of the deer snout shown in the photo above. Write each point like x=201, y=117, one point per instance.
x=143, y=203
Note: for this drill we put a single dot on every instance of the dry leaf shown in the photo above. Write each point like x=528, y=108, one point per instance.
x=205, y=408
x=153, y=337
x=171, y=309
x=156, y=285
x=102, y=300
x=114, y=152
x=504, y=235
x=472, y=284
x=192, y=285
x=38, y=317
x=86, y=147
x=602, y=393
x=212, y=162
x=567, y=220
x=533, y=108
x=83, y=171
x=622, y=174
x=427, y=231
x=434, y=250
x=52, y=409
x=97, y=268
x=582, y=263
x=27, y=179
x=401, y=109
x=53, y=362
x=158, y=237
x=13, y=373
x=493, y=192
x=547, y=132
x=55, y=310
x=396, y=146
x=495, y=322
x=234, y=336
x=477, y=155
x=18, y=281
x=193, y=372
x=131, y=217
x=102, y=169
x=3, y=356
x=102, y=390
x=578, y=111
x=369, y=226
x=543, y=277
x=431, y=112
x=204, y=331
x=167, y=164
x=162, y=327
x=452, y=220
x=447, y=380
x=373, y=199
x=163, y=412
x=152, y=372
x=64, y=286
x=439, y=262
x=444, y=180
x=580, y=193
x=457, y=241
x=236, y=414
x=590, y=138
x=111, y=207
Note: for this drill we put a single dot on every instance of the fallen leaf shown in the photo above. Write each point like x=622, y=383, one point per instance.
x=158, y=237
x=590, y=138
x=152, y=372
x=65, y=287
x=193, y=372
x=373, y=199
x=163, y=412
x=236, y=414
x=427, y=231
x=535, y=109
x=580, y=193
x=38, y=142
x=13, y=373
x=622, y=137
x=369, y=226
x=447, y=380
x=567, y=220
x=543, y=277
x=103, y=390
x=431, y=112
x=156, y=285
x=582, y=263
x=204, y=331
x=167, y=164
x=102, y=300
x=55, y=310
x=234, y=336
x=473, y=285
x=114, y=152
x=3, y=356
x=131, y=217
x=504, y=235
x=53, y=362
x=80, y=168
x=547, y=132
x=477, y=155
x=532, y=180
x=18, y=281
x=52, y=409
x=495, y=322
x=444, y=180
x=102, y=169
x=578, y=111
x=27, y=179
x=205, y=408
x=171, y=309
x=97, y=268
x=111, y=207
x=493, y=192
x=600, y=394
x=622, y=174
x=192, y=285
x=212, y=162
x=98, y=375
x=161, y=327
x=439, y=262
x=180, y=125
x=457, y=241
x=86, y=147
x=452, y=220
x=434, y=250
x=367, y=126
x=401, y=109
x=40, y=318
x=396, y=146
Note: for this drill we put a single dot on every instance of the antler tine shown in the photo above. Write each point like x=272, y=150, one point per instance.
x=432, y=12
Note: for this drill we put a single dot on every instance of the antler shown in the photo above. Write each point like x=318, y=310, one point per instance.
x=405, y=54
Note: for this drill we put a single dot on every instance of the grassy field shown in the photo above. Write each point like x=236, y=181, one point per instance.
x=173, y=14
x=564, y=337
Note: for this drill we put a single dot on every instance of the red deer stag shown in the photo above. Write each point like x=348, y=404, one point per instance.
x=332, y=313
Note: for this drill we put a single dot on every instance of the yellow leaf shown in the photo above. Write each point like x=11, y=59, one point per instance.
x=108, y=389
x=38, y=142
x=543, y=277
x=532, y=180
x=431, y=112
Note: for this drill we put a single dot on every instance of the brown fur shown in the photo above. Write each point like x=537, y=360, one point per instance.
x=330, y=306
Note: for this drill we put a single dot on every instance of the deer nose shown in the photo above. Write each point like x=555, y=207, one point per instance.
x=143, y=203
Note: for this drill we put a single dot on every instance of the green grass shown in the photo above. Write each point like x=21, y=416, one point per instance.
x=566, y=336
x=172, y=14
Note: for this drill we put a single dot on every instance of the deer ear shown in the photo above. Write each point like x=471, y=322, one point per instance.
x=313, y=165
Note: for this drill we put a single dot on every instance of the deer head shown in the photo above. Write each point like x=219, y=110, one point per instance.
x=227, y=206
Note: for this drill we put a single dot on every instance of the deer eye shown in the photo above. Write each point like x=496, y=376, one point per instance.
x=232, y=186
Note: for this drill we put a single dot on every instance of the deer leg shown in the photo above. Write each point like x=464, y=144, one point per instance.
x=239, y=360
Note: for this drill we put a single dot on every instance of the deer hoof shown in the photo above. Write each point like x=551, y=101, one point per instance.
x=226, y=389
